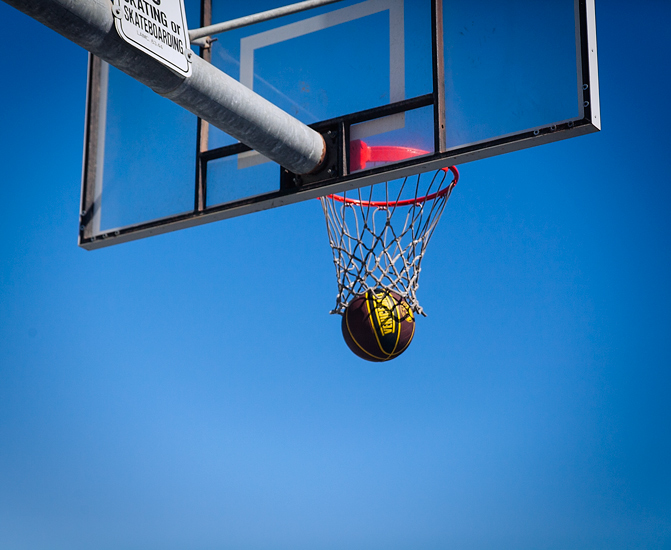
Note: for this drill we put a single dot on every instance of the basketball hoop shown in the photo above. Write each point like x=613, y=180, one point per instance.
x=379, y=234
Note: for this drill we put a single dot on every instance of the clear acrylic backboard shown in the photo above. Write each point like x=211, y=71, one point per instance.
x=458, y=80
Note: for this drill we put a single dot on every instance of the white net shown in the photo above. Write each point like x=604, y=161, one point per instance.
x=379, y=244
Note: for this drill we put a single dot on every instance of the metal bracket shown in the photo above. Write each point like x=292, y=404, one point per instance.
x=333, y=166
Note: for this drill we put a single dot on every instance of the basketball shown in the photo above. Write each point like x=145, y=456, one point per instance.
x=378, y=325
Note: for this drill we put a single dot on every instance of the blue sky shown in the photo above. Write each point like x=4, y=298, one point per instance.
x=191, y=390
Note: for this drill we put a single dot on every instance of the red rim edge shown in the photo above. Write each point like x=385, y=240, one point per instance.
x=361, y=154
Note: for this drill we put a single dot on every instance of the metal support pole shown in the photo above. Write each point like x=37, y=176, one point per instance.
x=217, y=28
x=208, y=92
x=203, y=127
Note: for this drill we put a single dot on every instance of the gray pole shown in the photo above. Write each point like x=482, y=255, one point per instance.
x=257, y=18
x=208, y=92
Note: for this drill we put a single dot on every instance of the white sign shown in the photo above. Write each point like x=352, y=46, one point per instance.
x=158, y=28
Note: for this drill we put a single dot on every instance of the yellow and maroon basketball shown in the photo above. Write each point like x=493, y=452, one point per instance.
x=378, y=325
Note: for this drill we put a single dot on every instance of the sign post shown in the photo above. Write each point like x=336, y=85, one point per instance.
x=158, y=28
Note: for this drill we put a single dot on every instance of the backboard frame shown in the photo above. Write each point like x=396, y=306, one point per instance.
x=334, y=177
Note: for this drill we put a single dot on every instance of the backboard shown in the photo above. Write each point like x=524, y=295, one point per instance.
x=454, y=80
